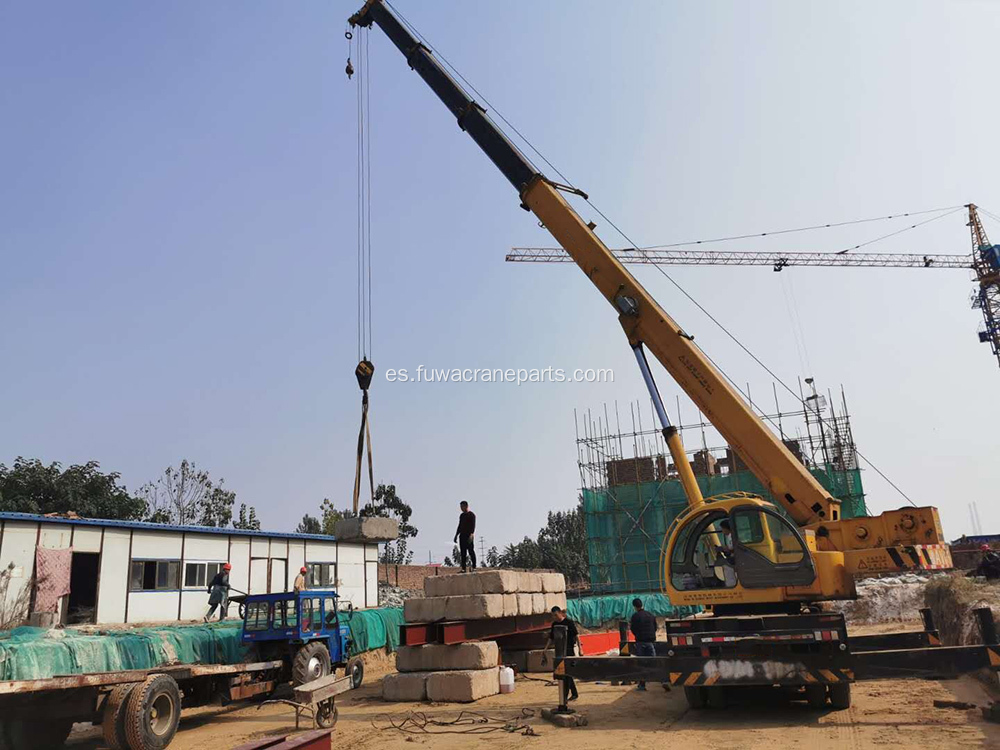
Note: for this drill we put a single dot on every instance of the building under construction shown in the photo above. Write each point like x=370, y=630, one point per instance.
x=631, y=490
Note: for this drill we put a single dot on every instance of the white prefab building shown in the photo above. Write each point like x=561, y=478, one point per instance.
x=130, y=571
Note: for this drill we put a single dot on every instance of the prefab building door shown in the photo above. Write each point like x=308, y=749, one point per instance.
x=258, y=575
x=279, y=575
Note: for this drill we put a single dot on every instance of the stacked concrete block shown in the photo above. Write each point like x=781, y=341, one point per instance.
x=509, y=605
x=463, y=686
x=536, y=660
x=473, y=607
x=486, y=594
x=405, y=686
x=432, y=657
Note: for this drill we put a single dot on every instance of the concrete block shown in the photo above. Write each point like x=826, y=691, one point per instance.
x=424, y=610
x=552, y=583
x=528, y=583
x=437, y=585
x=538, y=603
x=436, y=657
x=564, y=720
x=473, y=607
x=555, y=600
x=463, y=686
x=537, y=660
x=497, y=581
x=525, y=604
x=405, y=686
x=510, y=605
x=366, y=529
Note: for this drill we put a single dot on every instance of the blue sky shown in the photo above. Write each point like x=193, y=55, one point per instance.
x=177, y=236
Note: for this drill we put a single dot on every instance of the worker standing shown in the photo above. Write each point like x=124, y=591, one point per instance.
x=300, y=580
x=559, y=617
x=218, y=593
x=465, y=535
x=643, y=627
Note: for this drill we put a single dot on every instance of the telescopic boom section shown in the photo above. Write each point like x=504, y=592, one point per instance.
x=644, y=322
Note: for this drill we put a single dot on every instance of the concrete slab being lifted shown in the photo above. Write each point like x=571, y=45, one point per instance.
x=366, y=530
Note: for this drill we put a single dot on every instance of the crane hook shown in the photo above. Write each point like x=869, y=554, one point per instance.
x=350, y=69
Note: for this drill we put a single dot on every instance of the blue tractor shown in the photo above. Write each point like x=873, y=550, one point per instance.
x=307, y=630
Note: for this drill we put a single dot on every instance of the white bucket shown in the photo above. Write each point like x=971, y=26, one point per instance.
x=506, y=680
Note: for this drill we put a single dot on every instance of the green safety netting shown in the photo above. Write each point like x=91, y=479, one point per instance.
x=592, y=611
x=36, y=653
x=626, y=523
x=375, y=628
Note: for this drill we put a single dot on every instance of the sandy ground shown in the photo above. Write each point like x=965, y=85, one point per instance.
x=897, y=713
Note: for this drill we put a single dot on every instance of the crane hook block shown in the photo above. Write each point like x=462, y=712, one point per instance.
x=364, y=373
x=349, y=69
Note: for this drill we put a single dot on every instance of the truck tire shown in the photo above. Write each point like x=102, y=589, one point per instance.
x=715, y=697
x=840, y=696
x=695, y=697
x=311, y=662
x=113, y=717
x=152, y=713
x=36, y=733
x=356, y=671
x=816, y=696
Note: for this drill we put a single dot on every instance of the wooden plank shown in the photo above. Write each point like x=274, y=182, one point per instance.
x=322, y=689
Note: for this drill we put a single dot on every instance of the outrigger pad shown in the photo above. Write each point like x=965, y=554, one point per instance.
x=366, y=530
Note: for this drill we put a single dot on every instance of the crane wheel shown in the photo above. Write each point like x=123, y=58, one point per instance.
x=840, y=696
x=311, y=662
x=695, y=697
x=152, y=713
x=816, y=696
x=113, y=717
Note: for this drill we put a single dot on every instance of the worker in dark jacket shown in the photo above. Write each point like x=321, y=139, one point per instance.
x=559, y=617
x=465, y=535
x=643, y=627
x=989, y=565
x=218, y=593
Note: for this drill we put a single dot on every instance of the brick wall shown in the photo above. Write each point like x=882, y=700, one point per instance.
x=411, y=576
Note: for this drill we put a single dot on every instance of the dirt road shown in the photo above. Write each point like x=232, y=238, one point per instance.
x=897, y=714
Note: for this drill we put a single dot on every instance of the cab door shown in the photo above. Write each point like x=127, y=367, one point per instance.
x=769, y=551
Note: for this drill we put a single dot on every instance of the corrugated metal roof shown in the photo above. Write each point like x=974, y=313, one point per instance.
x=147, y=526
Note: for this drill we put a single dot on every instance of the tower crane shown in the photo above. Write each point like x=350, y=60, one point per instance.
x=984, y=261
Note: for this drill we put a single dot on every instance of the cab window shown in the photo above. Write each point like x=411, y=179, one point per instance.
x=703, y=554
x=258, y=614
x=312, y=614
x=330, y=611
x=285, y=615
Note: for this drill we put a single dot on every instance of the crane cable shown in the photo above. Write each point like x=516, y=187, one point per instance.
x=365, y=369
x=681, y=289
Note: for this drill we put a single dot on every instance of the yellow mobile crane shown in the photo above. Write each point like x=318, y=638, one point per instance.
x=759, y=569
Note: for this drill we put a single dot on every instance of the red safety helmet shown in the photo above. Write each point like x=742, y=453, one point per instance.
x=227, y=566
x=984, y=548
x=303, y=569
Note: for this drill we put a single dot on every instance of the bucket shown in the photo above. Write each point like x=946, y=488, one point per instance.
x=506, y=680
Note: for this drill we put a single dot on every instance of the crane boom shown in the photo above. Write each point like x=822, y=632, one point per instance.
x=778, y=261
x=644, y=321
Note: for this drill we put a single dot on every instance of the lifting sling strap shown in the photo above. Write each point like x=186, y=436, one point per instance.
x=364, y=373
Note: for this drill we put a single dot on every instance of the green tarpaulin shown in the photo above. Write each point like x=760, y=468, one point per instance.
x=375, y=628
x=593, y=611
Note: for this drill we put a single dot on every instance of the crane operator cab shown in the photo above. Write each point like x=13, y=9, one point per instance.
x=737, y=549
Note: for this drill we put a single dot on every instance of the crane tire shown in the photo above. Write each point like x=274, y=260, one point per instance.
x=152, y=713
x=840, y=696
x=113, y=717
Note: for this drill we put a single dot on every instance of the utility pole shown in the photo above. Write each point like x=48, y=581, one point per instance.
x=482, y=550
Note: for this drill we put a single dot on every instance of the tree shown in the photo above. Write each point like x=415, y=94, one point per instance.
x=562, y=544
x=492, y=558
x=389, y=505
x=187, y=496
x=456, y=558
x=248, y=520
x=29, y=486
x=309, y=525
x=331, y=515
x=524, y=554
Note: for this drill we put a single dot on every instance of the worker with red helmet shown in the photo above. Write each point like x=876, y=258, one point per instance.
x=218, y=593
x=300, y=580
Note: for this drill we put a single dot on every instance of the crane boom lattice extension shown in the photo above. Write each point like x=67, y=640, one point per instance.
x=986, y=262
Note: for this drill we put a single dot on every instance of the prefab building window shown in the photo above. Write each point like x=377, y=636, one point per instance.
x=321, y=575
x=155, y=575
x=197, y=575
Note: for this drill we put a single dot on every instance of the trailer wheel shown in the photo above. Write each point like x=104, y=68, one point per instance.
x=152, y=713
x=356, y=671
x=36, y=733
x=695, y=697
x=816, y=696
x=840, y=696
x=311, y=662
x=113, y=721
